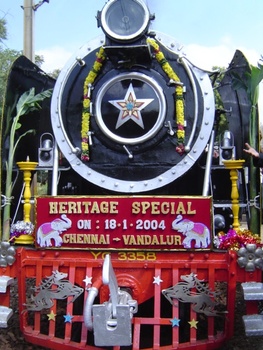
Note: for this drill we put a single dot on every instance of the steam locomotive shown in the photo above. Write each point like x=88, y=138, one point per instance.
x=132, y=146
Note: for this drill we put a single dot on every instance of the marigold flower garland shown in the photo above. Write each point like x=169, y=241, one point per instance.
x=236, y=239
x=179, y=99
x=85, y=124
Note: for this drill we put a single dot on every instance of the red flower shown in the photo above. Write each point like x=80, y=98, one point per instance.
x=180, y=149
x=84, y=157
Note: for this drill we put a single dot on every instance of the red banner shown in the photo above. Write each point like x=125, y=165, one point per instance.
x=141, y=223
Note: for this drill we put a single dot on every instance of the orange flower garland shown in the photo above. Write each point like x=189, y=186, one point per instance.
x=85, y=124
x=179, y=99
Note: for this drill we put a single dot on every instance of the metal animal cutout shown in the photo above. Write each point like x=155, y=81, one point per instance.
x=52, y=230
x=193, y=231
x=201, y=297
x=53, y=287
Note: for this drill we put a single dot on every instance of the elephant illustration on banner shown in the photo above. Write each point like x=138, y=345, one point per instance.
x=52, y=230
x=193, y=231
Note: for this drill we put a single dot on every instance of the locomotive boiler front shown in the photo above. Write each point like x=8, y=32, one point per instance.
x=129, y=112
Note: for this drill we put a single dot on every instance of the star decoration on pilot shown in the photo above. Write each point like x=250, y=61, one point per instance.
x=51, y=316
x=68, y=318
x=175, y=322
x=130, y=108
x=157, y=280
x=193, y=323
x=88, y=280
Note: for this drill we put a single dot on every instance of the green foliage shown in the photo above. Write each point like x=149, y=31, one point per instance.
x=221, y=122
x=55, y=73
x=216, y=81
x=7, y=57
x=27, y=103
x=3, y=31
x=250, y=82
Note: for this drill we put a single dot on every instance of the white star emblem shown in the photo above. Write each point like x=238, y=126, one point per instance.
x=87, y=280
x=157, y=280
x=130, y=108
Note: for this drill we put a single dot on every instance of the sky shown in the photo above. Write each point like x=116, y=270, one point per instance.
x=210, y=31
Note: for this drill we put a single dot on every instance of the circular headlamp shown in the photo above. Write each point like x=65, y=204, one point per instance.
x=125, y=19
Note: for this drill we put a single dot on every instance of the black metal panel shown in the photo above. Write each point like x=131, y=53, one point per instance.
x=23, y=76
x=237, y=101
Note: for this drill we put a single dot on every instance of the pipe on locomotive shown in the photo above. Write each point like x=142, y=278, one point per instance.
x=208, y=165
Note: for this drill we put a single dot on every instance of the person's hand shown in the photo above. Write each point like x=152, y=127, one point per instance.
x=250, y=150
